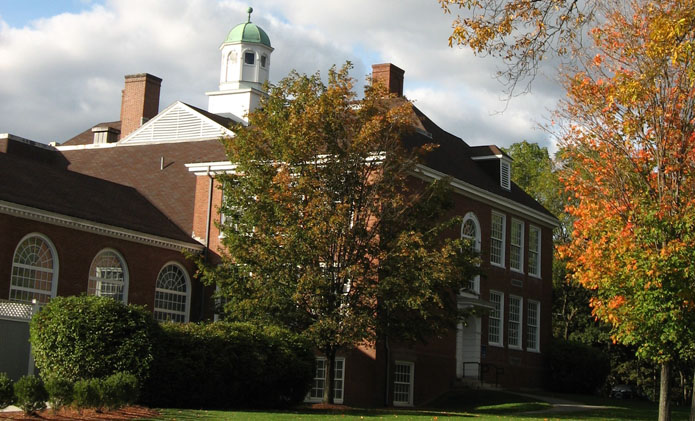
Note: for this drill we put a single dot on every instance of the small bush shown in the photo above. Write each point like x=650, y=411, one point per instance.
x=30, y=394
x=575, y=367
x=59, y=390
x=87, y=394
x=119, y=390
x=6, y=391
x=92, y=337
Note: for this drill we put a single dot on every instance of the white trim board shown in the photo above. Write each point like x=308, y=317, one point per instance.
x=34, y=214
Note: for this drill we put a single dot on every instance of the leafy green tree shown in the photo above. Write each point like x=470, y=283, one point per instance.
x=325, y=229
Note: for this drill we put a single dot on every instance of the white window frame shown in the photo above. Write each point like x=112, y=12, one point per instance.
x=517, y=248
x=496, y=322
x=474, y=283
x=501, y=241
x=515, y=329
x=98, y=281
x=411, y=383
x=533, y=326
x=318, y=397
x=534, y=255
x=186, y=295
x=35, y=293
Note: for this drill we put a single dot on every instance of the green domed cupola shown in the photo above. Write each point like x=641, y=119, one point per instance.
x=248, y=32
x=244, y=69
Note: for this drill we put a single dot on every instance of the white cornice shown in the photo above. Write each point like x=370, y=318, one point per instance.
x=61, y=220
x=422, y=172
x=125, y=145
x=483, y=195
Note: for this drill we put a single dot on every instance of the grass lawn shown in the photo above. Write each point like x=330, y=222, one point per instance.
x=470, y=404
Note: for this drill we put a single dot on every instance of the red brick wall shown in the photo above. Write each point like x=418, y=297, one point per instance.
x=76, y=250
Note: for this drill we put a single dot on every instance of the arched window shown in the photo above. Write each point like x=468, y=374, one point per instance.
x=108, y=276
x=470, y=230
x=34, y=270
x=172, y=294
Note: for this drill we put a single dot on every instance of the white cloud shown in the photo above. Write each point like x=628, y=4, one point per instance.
x=64, y=73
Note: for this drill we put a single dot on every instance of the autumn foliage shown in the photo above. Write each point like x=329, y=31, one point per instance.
x=630, y=148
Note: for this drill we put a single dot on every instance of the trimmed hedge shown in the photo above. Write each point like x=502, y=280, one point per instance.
x=91, y=337
x=228, y=365
x=575, y=367
x=59, y=390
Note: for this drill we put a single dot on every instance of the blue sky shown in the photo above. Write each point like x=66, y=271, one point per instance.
x=63, y=61
x=19, y=13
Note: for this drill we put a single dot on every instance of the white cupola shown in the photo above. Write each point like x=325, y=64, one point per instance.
x=244, y=68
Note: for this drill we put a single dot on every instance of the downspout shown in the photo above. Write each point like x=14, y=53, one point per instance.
x=207, y=242
x=388, y=371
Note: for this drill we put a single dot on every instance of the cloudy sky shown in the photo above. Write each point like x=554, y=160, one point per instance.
x=62, y=62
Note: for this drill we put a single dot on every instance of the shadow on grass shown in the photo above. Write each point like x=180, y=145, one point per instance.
x=309, y=414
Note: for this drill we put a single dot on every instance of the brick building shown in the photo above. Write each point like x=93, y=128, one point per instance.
x=110, y=211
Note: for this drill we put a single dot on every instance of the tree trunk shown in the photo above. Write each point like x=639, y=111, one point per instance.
x=330, y=371
x=664, y=395
x=692, y=400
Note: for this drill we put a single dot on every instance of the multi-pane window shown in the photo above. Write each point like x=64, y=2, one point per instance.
x=494, y=336
x=34, y=270
x=171, y=294
x=534, y=251
x=316, y=392
x=403, y=383
x=514, y=334
x=108, y=276
x=497, y=239
x=516, y=246
x=532, y=323
x=470, y=230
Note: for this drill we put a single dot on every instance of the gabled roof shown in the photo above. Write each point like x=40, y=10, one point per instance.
x=49, y=188
x=180, y=122
x=87, y=136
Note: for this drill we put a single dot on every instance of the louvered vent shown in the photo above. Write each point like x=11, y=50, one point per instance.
x=177, y=123
x=505, y=175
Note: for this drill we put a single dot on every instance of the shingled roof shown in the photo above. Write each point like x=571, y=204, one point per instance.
x=454, y=156
x=50, y=188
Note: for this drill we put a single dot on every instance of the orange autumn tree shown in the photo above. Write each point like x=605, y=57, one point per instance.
x=629, y=121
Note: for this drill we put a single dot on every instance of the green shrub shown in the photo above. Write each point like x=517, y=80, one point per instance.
x=228, y=365
x=119, y=390
x=92, y=337
x=6, y=391
x=59, y=391
x=30, y=394
x=87, y=394
x=575, y=367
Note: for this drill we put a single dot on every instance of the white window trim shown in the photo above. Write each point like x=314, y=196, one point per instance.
x=470, y=216
x=520, y=334
x=342, y=379
x=126, y=272
x=56, y=265
x=520, y=245
x=500, y=321
x=538, y=255
x=537, y=345
x=503, y=239
x=411, y=386
x=187, y=279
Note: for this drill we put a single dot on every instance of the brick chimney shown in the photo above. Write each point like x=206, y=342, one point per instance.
x=139, y=101
x=390, y=76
